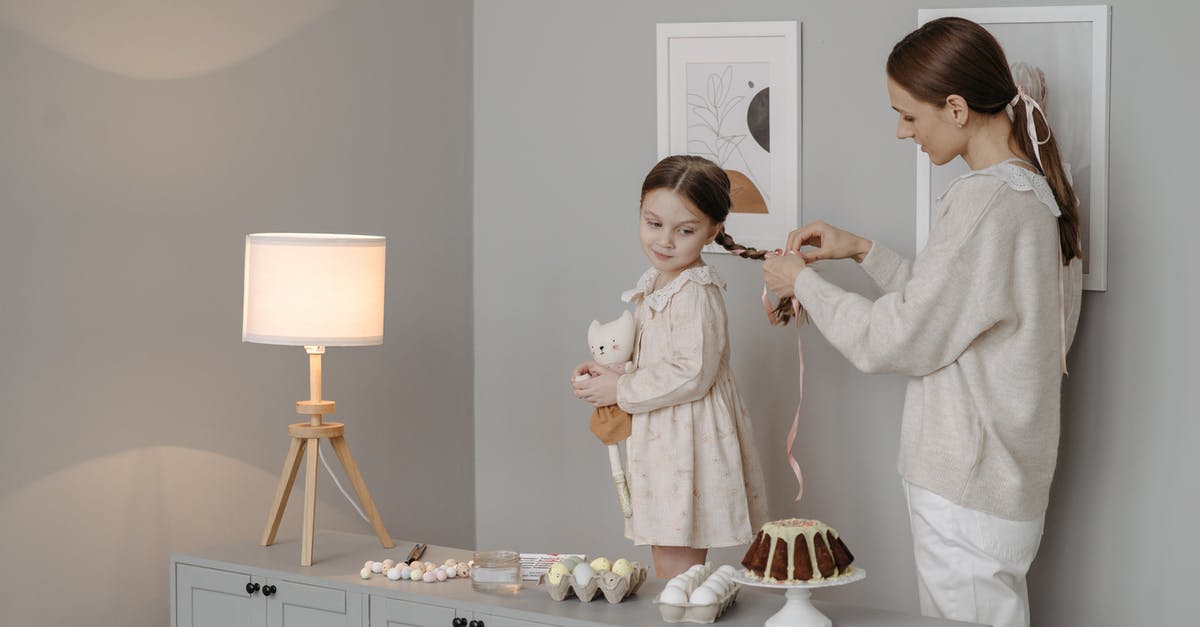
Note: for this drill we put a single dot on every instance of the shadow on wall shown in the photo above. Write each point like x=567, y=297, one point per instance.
x=145, y=39
x=119, y=517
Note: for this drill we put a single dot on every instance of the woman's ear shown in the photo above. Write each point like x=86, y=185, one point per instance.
x=957, y=109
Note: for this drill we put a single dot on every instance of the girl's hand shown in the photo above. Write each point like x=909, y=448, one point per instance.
x=831, y=243
x=600, y=389
x=590, y=368
x=780, y=272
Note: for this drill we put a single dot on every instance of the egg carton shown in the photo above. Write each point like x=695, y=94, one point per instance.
x=615, y=587
x=696, y=612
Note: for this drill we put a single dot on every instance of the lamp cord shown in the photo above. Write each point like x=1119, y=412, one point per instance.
x=329, y=470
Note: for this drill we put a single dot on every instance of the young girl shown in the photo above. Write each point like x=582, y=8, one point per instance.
x=981, y=321
x=694, y=476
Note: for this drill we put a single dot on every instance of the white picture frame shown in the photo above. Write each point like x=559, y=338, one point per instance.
x=1069, y=46
x=729, y=91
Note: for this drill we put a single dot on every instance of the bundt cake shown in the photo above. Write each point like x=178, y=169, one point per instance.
x=797, y=550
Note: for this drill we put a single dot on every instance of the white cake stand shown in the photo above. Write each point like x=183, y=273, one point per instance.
x=798, y=611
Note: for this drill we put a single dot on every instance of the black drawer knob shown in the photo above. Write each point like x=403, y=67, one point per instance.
x=475, y=623
x=268, y=590
x=251, y=588
x=459, y=622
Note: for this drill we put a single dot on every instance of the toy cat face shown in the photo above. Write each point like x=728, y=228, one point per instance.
x=612, y=342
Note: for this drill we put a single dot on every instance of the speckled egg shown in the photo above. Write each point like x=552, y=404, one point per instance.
x=367, y=564
x=600, y=564
x=416, y=574
x=622, y=567
x=463, y=569
x=429, y=577
x=388, y=564
x=557, y=571
x=440, y=574
x=365, y=573
x=377, y=567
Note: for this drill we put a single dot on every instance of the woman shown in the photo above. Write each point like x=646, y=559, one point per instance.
x=980, y=321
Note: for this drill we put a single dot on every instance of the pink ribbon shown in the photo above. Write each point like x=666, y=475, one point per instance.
x=791, y=439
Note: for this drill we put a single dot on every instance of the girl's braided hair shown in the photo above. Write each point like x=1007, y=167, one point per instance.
x=707, y=186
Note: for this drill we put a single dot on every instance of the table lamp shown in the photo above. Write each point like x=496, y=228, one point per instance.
x=314, y=290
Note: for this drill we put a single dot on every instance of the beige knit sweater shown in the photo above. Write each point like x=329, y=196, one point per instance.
x=974, y=321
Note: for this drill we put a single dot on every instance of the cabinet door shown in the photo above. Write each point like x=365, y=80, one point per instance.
x=489, y=620
x=386, y=612
x=207, y=597
x=294, y=604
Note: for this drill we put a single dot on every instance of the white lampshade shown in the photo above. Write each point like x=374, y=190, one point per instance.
x=313, y=289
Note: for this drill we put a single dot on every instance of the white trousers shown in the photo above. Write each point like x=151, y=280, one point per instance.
x=971, y=566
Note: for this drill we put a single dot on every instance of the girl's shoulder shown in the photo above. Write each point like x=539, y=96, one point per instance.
x=696, y=277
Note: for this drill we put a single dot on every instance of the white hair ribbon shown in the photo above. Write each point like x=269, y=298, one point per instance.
x=1030, y=105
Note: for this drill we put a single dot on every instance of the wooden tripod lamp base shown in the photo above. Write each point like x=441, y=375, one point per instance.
x=306, y=438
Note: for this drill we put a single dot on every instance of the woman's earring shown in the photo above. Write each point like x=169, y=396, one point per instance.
x=960, y=125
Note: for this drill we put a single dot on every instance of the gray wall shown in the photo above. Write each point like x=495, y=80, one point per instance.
x=564, y=132
x=139, y=147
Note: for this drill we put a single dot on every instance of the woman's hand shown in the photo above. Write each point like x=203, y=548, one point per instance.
x=831, y=243
x=600, y=388
x=780, y=272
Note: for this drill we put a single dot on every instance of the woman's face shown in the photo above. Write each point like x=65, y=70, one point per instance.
x=932, y=127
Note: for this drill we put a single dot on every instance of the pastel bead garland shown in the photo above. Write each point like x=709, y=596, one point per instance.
x=427, y=572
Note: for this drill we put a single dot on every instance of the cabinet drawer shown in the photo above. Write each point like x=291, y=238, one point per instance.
x=387, y=612
x=297, y=604
x=501, y=621
x=207, y=597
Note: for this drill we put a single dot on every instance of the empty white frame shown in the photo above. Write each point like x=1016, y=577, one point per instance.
x=1068, y=47
x=728, y=91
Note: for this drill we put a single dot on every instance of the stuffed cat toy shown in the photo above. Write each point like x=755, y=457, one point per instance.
x=612, y=346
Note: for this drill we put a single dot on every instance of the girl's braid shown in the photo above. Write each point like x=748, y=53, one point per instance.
x=783, y=309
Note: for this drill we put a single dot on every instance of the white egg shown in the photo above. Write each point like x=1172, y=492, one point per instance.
x=393, y=573
x=451, y=572
x=583, y=573
x=717, y=587
x=676, y=582
x=377, y=567
x=673, y=595
x=365, y=573
x=367, y=564
x=703, y=596
x=720, y=576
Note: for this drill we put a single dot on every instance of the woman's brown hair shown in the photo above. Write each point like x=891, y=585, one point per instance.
x=707, y=186
x=952, y=55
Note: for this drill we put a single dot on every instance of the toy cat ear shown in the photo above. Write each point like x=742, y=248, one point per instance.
x=625, y=315
x=592, y=326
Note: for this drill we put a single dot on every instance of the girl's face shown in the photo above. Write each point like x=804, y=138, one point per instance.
x=673, y=232
x=933, y=128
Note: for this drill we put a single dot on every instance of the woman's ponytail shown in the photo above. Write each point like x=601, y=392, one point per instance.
x=1049, y=162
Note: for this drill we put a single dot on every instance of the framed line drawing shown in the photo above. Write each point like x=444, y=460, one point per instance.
x=1060, y=55
x=728, y=91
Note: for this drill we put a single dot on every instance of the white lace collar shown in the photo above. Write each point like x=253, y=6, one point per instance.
x=1017, y=178
x=658, y=299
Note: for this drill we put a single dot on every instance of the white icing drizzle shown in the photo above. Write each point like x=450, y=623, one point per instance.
x=788, y=530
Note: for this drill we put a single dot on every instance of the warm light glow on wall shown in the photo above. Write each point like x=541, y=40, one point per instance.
x=152, y=39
